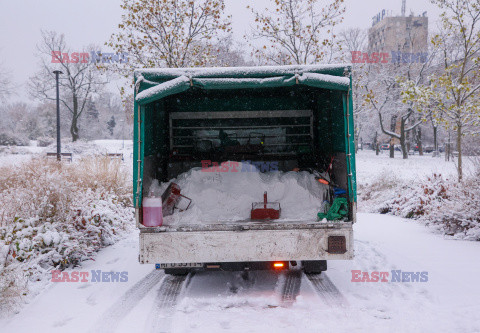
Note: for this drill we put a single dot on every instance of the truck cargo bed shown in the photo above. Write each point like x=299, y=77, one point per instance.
x=226, y=136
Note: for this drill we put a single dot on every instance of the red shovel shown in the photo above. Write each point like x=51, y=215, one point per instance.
x=265, y=210
x=171, y=199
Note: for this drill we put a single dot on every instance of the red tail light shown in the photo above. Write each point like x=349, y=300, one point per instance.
x=279, y=265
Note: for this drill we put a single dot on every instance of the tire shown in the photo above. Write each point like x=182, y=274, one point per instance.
x=314, y=266
x=177, y=271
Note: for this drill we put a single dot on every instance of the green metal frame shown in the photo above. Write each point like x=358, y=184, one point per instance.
x=155, y=85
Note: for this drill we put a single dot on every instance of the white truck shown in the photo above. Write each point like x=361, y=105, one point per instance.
x=303, y=117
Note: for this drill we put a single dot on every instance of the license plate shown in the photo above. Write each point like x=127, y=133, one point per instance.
x=179, y=265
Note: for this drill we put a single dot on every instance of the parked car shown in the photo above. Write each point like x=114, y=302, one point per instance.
x=368, y=145
x=385, y=146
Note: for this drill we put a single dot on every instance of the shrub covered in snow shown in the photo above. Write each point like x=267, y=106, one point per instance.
x=44, y=141
x=383, y=185
x=53, y=216
x=449, y=206
x=10, y=139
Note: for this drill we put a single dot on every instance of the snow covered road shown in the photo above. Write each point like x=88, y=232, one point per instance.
x=224, y=301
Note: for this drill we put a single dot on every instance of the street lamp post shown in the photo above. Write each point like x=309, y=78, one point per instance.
x=59, y=148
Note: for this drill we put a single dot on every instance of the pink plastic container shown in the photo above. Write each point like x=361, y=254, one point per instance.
x=152, y=212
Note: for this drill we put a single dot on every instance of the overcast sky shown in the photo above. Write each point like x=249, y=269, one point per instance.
x=93, y=21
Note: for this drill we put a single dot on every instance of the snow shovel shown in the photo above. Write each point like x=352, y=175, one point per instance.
x=265, y=210
x=172, y=198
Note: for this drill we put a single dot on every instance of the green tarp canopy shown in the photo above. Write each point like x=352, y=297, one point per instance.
x=154, y=84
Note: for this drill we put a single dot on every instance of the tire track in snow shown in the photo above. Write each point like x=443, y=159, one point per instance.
x=110, y=320
x=326, y=290
x=291, y=287
x=168, y=294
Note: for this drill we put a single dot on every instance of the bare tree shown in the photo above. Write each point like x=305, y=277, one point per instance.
x=175, y=33
x=383, y=91
x=379, y=97
x=425, y=101
x=460, y=82
x=350, y=40
x=353, y=39
x=296, y=31
x=455, y=86
x=6, y=85
x=80, y=78
x=228, y=53
x=387, y=99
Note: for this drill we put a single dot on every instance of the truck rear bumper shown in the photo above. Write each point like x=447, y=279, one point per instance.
x=244, y=245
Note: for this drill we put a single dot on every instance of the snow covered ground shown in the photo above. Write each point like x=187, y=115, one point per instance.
x=223, y=301
x=370, y=166
x=14, y=155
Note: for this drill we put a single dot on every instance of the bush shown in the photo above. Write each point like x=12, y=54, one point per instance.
x=449, y=206
x=417, y=199
x=385, y=182
x=12, y=288
x=9, y=139
x=44, y=142
x=55, y=215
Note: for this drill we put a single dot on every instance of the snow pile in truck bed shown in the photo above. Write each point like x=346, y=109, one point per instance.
x=228, y=196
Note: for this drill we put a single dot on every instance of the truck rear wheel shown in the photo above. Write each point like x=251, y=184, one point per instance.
x=314, y=266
